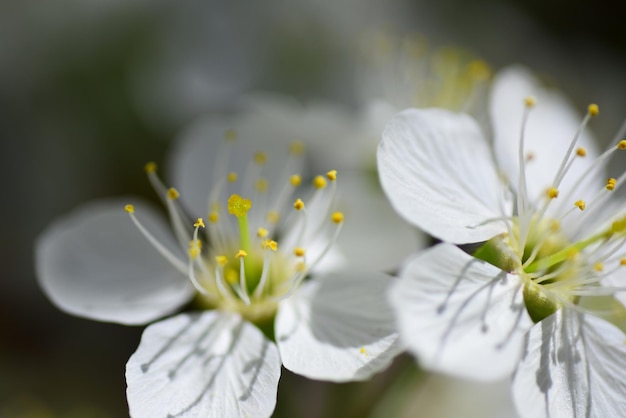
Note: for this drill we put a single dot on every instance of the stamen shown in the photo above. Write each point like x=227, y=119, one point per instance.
x=580, y=204
x=231, y=177
x=243, y=294
x=262, y=232
x=298, y=205
x=552, y=193
x=221, y=261
x=522, y=190
x=267, y=246
x=299, y=252
x=319, y=182
x=296, y=180
x=581, y=152
x=610, y=184
x=167, y=254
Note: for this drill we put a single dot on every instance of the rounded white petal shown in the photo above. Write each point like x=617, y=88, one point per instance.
x=438, y=173
x=460, y=315
x=95, y=263
x=373, y=236
x=338, y=327
x=574, y=366
x=551, y=126
x=208, y=364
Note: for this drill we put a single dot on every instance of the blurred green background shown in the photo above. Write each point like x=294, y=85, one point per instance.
x=92, y=89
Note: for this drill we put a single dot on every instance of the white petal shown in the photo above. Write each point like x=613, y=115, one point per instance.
x=203, y=365
x=95, y=263
x=460, y=315
x=437, y=171
x=574, y=366
x=337, y=327
x=373, y=236
x=551, y=126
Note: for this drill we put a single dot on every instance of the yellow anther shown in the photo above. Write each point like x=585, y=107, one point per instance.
x=172, y=193
x=598, y=267
x=552, y=193
x=129, y=208
x=230, y=135
x=581, y=152
x=580, y=204
x=301, y=267
x=241, y=253
x=221, y=260
x=337, y=217
x=622, y=261
x=593, y=109
x=231, y=177
x=298, y=205
x=555, y=225
x=622, y=144
x=262, y=232
x=238, y=205
x=319, y=182
x=271, y=244
x=363, y=351
x=610, y=184
x=150, y=167
x=262, y=185
x=260, y=158
x=199, y=223
x=296, y=148
x=479, y=70
x=273, y=217
x=231, y=275
x=332, y=175
x=295, y=180
x=530, y=101
x=299, y=252
x=214, y=217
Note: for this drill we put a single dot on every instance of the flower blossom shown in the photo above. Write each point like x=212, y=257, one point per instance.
x=538, y=293
x=244, y=265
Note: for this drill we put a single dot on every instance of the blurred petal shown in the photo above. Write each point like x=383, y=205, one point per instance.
x=95, y=263
x=574, y=366
x=551, y=126
x=460, y=315
x=438, y=173
x=373, y=237
x=203, y=365
x=338, y=327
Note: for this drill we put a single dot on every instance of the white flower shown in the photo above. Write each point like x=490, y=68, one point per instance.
x=245, y=267
x=546, y=305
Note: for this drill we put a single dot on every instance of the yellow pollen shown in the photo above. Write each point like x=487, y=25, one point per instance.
x=299, y=252
x=580, y=204
x=221, y=260
x=622, y=261
x=241, y=253
x=298, y=205
x=260, y=158
x=593, y=110
x=301, y=267
x=296, y=148
x=337, y=217
x=262, y=232
x=273, y=217
x=552, y=193
x=232, y=177
x=271, y=244
x=581, y=152
x=363, y=351
x=172, y=193
x=295, y=180
x=319, y=182
x=230, y=135
x=530, y=101
x=598, y=267
x=332, y=175
x=199, y=223
x=129, y=208
x=238, y=206
x=150, y=167
x=214, y=217
x=262, y=185
x=622, y=144
x=610, y=184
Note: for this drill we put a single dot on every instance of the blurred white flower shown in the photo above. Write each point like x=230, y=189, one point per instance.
x=546, y=303
x=246, y=267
